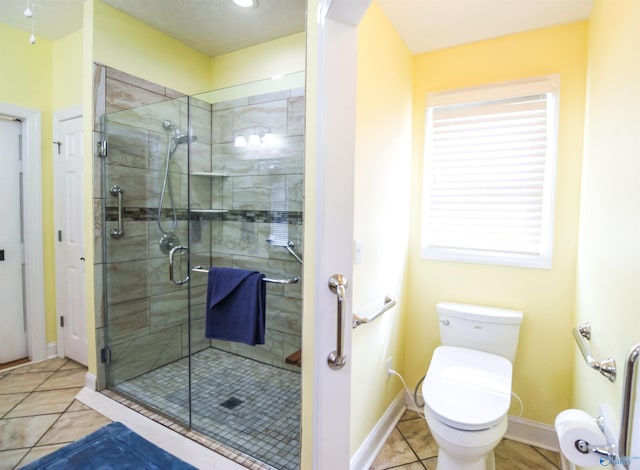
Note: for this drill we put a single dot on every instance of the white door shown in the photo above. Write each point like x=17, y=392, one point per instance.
x=70, y=264
x=337, y=59
x=13, y=334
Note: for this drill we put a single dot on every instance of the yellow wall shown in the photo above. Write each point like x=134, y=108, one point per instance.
x=310, y=216
x=609, y=251
x=545, y=296
x=67, y=71
x=279, y=57
x=88, y=106
x=382, y=199
x=26, y=73
x=26, y=69
x=126, y=44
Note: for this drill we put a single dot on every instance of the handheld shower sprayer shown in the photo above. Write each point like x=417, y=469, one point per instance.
x=169, y=239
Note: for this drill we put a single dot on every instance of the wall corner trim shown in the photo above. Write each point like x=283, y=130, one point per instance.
x=369, y=449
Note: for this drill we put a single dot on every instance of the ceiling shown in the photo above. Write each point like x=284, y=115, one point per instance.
x=53, y=19
x=428, y=25
x=216, y=27
x=213, y=27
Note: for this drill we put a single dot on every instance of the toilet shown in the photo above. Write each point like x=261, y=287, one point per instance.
x=467, y=389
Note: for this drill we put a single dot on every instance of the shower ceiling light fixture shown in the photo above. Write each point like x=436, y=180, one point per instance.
x=246, y=3
x=257, y=136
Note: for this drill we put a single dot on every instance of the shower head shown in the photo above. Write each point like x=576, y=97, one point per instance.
x=178, y=137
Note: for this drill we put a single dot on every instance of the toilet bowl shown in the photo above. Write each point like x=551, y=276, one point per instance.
x=467, y=391
x=467, y=395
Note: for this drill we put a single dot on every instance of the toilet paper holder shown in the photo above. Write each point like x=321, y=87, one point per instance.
x=608, y=450
x=585, y=447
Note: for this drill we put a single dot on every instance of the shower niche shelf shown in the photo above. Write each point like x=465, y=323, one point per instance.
x=210, y=174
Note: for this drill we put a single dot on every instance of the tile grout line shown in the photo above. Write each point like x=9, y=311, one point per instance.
x=28, y=394
x=419, y=460
x=34, y=390
x=544, y=457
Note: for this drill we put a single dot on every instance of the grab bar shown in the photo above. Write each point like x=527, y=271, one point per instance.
x=338, y=285
x=117, y=192
x=359, y=320
x=628, y=402
x=290, y=246
x=292, y=280
x=582, y=334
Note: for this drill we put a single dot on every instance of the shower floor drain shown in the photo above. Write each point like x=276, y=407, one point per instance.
x=231, y=403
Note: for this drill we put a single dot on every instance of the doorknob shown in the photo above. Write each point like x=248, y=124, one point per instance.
x=338, y=285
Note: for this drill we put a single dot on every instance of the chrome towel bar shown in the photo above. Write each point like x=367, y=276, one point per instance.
x=292, y=280
x=582, y=334
x=359, y=320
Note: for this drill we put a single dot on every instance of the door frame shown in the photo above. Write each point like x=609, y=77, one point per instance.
x=33, y=226
x=333, y=212
x=59, y=116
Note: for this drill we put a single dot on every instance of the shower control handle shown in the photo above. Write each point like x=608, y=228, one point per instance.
x=338, y=285
x=117, y=191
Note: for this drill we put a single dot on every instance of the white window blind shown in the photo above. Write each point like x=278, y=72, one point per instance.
x=489, y=174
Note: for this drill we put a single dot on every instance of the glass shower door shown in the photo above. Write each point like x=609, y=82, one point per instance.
x=144, y=214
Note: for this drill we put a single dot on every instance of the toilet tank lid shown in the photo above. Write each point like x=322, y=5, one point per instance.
x=486, y=314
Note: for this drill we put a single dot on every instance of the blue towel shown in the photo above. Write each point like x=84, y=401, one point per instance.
x=236, y=306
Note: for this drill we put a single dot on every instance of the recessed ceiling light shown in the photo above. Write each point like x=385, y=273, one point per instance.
x=246, y=3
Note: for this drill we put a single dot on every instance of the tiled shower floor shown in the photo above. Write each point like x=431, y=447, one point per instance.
x=247, y=405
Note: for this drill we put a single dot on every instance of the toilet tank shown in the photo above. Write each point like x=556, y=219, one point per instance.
x=490, y=329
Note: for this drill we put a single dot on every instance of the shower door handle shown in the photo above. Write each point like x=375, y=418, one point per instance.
x=338, y=285
x=117, y=192
x=171, y=274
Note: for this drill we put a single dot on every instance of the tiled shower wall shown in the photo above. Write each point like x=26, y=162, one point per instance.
x=262, y=190
x=148, y=313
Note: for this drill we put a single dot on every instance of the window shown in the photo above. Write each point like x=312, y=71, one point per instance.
x=489, y=173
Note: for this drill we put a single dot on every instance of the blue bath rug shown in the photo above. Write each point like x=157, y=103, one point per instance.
x=113, y=447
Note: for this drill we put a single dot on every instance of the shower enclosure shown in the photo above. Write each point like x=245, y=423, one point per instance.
x=188, y=183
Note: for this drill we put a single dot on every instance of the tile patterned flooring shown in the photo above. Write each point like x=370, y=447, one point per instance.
x=245, y=404
x=411, y=447
x=39, y=414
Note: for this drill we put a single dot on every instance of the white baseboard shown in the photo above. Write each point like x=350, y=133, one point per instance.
x=536, y=434
x=90, y=381
x=52, y=350
x=533, y=433
x=369, y=449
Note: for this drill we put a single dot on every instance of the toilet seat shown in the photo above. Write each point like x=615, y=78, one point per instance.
x=467, y=389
